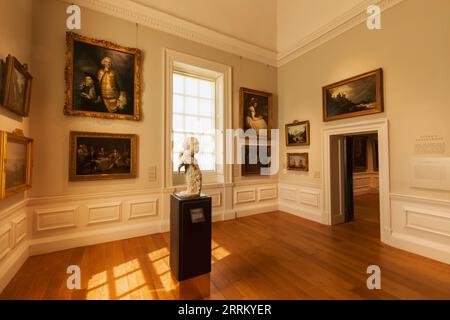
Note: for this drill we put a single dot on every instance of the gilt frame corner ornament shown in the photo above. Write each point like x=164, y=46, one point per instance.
x=102, y=46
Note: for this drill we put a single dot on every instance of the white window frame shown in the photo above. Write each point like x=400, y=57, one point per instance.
x=222, y=75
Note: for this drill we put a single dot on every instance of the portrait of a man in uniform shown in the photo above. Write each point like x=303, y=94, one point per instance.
x=102, y=79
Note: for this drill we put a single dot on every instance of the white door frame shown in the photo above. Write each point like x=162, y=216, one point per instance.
x=381, y=127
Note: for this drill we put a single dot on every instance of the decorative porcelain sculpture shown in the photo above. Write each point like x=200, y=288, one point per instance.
x=192, y=170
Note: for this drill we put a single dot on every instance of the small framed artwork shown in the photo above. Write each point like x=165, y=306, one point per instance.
x=16, y=162
x=298, y=161
x=252, y=160
x=256, y=110
x=357, y=96
x=17, y=87
x=297, y=134
x=101, y=156
x=102, y=79
x=359, y=153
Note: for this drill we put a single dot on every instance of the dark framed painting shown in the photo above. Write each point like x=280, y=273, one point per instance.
x=16, y=93
x=102, y=79
x=357, y=96
x=375, y=155
x=252, y=163
x=16, y=163
x=256, y=110
x=359, y=153
x=100, y=156
x=298, y=161
x=297, y=134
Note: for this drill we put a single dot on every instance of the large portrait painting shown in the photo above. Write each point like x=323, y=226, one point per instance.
x=252, y=162
x=102, y=79
x=15, y=163
x=98, y=156
x=256, y=110
x=297, y=134
x=17, y=89
x=357, y=96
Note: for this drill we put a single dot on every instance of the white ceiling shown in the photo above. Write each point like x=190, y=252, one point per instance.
x=277, y=25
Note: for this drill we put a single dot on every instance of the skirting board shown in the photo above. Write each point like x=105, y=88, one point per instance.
x=255, y=209
x=86, y=238
x=301, y=213
x=12, y=264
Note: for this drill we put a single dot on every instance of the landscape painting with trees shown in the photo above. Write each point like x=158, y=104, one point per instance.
x=357, y=96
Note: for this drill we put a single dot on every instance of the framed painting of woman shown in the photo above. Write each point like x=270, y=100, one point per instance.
x=256, y=111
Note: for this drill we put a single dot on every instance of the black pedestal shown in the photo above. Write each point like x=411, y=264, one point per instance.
x=190, y=236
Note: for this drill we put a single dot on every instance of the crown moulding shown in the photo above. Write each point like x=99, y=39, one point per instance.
x=155, y=19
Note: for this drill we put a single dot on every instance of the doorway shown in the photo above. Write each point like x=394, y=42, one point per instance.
x=354, y=188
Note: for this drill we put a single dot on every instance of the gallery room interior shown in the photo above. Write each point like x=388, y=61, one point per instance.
x=224, y=150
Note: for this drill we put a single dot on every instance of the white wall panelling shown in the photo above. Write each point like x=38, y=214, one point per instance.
x=56, y=218
x=104, y=213
x=19, y=229
x=365, y=183
x=143, y=209
x=6, y=243
x=302, y=201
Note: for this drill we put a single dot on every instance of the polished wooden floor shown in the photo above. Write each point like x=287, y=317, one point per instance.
x=267, y=256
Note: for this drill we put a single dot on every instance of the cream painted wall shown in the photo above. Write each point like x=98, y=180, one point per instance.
x=50, y=127
x=253, y=21
x=15, y=26
x=297, y=19
x=413, y=50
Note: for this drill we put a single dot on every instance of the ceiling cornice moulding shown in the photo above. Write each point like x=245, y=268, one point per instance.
x=338, y=26
x=155, y=19
x=138, y=13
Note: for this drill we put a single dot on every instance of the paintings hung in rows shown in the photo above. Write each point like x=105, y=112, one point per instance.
x=360, y=153
x=102, y=79
x=298, y=161
x=97, y=156
x=254, y=160
x=15, y=163
x=357, y=96
x=297, y=134
x=16, y=92
x=256, y=110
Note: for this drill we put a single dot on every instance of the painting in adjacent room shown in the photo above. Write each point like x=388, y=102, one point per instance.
x=102, y=79
x=357, y=96
x=360, y=153
x=97, y=156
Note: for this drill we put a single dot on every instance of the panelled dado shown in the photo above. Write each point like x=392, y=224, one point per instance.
x=303, y=201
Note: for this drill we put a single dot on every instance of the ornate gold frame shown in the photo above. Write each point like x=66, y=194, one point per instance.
x=298, y=123
x=379, y=96
x=73, y=156
x=305, y=155
x=68, y=107
x=4, y=137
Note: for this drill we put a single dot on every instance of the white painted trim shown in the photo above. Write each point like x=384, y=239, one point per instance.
x=437, y=202
x=155, y=19
x=6, y=229
x=15, y=222
x=338, y=26
x=250, y=210
x=13, y=209
x=145, y=215
x=381, y=127
x=9, y=268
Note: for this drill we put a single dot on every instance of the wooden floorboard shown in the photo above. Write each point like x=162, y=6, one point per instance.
x=267, y=256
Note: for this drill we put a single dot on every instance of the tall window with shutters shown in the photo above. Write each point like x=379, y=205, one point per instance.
x=194, y=114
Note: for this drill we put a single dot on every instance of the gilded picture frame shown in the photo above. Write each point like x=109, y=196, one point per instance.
x=102, y=156
x=255, y=110
x=298, y=161
x=297, y=134
x=357, y=96
x=16, y=92
x=103, y=79
x=16, y=163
